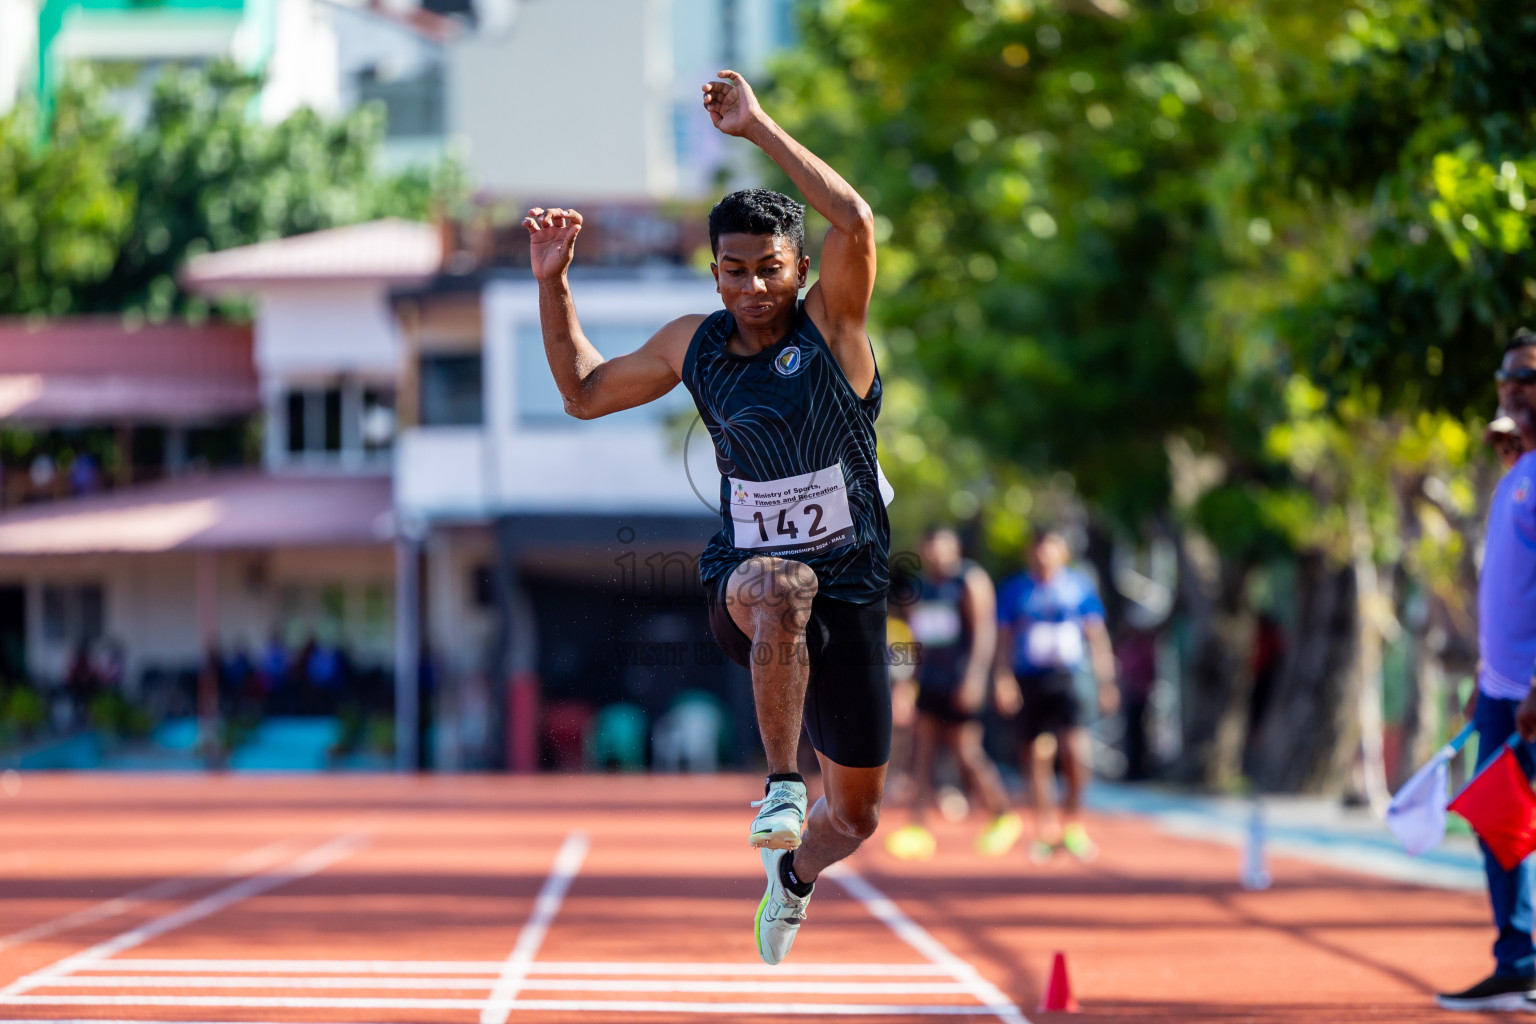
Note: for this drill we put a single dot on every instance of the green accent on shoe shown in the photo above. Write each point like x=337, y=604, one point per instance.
x=757, y=924
x=1074, y=839
x=1000, y=836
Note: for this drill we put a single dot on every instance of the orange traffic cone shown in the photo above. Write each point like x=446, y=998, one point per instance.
x=1058, y=994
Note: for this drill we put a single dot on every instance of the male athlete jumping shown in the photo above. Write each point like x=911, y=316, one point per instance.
x=796, y=579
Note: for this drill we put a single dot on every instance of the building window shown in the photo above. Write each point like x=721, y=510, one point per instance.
x=347, y=419
x=413, y=106
x=451, y=391
x=73, y=615
x=314, y=420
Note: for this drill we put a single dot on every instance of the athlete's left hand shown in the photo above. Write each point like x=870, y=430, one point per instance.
x=732, y=105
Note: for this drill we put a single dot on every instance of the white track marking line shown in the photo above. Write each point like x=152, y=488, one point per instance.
x=532, y=1005
x=726, y=987
x=170, y=888
x=538, y=969
x=316, y=860
x=915, y=935
x=568, y=861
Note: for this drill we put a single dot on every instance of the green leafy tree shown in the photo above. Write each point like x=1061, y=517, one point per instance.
x=1044, y=176
x=1242, y=269
x=63, y=206
x=206, y=175
x=95, y=218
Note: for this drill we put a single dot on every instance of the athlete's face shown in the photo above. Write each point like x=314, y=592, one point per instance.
x=1048, y=555
x=941, y=553
x=759, y=277
x=1517, y=388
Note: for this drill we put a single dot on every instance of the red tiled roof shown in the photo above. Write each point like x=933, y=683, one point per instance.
x=95, y=370
x=387, y=250
x=236, y=511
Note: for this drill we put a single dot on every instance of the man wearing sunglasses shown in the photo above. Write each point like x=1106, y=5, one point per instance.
x=1505, y=702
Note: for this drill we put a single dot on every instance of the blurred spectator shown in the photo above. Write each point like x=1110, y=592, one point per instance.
x=84, y=475
x=954, y=622
x=107, y=663
x=326, y=669
x=80, y=680
x=1504, y=702
x=272, y=675
x=1136, y=651
x=898, y=780
x=42, y=472
x=1264, y=664
x=1051, y=621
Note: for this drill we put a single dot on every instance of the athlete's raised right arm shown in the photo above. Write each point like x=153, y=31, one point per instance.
x=591, y=385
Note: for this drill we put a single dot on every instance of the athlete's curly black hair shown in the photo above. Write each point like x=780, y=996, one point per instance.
x=758, y=211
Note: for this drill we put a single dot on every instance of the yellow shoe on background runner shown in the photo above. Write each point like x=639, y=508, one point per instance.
x=998, y=837
x=914, y=842
x=1074, y=838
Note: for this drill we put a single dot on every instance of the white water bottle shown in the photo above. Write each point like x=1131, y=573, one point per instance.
x=1255, y=868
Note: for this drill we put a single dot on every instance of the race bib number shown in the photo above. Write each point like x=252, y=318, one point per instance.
x=798, y=514
x=935, y=623
x=1057, y=644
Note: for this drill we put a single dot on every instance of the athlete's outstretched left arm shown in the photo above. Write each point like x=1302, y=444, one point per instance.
x=839, y=301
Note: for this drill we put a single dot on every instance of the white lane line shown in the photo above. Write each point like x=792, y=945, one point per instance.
x=547, y=968
x=826, y=988
x=527, y=1005
x=915, y=935
x=567, y=863
x=538, y=969
x=316, y=860
x=170, y=888
x=487, y=967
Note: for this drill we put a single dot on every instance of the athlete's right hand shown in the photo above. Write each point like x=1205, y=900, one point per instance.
x=552, y=240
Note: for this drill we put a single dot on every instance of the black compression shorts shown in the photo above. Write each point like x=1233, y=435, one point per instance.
x=940, y=704
x=848, y=698
x=1050, y=705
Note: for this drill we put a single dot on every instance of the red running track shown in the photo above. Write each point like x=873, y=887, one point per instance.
x=602, y=898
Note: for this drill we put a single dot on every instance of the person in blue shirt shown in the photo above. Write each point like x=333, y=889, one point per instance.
x=1050, y=620
x=1503, y=702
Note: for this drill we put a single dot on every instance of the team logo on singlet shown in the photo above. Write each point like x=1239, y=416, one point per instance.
x=1522, y=490
x=788, y=362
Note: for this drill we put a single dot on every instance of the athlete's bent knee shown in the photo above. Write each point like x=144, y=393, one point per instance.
x=857, y=822
x=788, y=588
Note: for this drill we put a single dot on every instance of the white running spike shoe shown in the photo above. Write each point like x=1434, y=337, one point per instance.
x=779, y=915
x=782, y=818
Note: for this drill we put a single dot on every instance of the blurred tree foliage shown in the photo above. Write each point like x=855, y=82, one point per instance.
x=95, y=218
x=1242, y=269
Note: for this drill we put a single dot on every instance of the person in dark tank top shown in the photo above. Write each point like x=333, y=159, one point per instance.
x=796, y=578
x=953, y=623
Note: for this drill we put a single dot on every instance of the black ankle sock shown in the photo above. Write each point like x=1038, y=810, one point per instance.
x=788, y=878
x=784, y=777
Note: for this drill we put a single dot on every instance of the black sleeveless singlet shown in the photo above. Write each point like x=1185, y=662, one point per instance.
x=787, y=412
x=940, y=628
